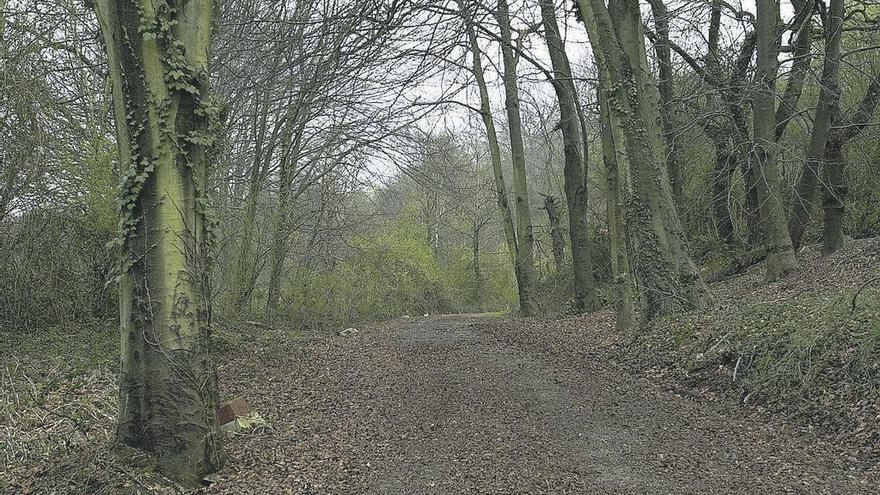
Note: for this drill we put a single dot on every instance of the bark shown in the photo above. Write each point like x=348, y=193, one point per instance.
x=158, y=63
x=780, y=254
x=665, y=86
x=668, y=279
x=495, y=153
x=551, y=206
x=614, y=159
x=835, y=187
x=575, y=170
x=834, y=195
x=829, y=94
x=525, y=236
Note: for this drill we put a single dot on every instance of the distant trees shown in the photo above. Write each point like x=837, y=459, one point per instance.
x=501, y=196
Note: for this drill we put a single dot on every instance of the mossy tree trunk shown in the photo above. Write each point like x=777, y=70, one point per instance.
x=668, y=279
x=158, y=62
x=554, y=218
x=780, y=254
x=525, y=237
x=614, y=158
x=575, y=169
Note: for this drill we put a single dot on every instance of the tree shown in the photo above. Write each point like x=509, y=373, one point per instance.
x=665, y=86
x=834, y=185
x=780, y=253
x=158, y=62
x=510, y=234
x=829, y=95
x=575, y=170
x=668, y=279
x=525, y=237
x=614, y=159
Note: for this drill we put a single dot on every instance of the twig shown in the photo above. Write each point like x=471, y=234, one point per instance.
x=736, y=368
x=856, y=295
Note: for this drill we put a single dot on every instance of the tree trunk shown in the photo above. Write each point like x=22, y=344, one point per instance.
x=665, y=86
x=158, y=63
x=525, y=236
x=495, y=154
x=725, y=164
x=833, y=197
x=835, y=186
x=551, y=206
x=576, y=193
x=478, y=273
x=780, y=254
x=614, y=158
x=829, y=94
x=668, y=279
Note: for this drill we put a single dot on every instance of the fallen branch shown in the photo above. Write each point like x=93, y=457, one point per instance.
x=856, y=295
x=739, y=265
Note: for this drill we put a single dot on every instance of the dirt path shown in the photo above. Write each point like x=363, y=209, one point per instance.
x=440, y=405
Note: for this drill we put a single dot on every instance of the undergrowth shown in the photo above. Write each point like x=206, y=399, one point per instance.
x=815, y=355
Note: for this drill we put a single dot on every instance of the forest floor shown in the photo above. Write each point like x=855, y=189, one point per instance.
x=481, y=404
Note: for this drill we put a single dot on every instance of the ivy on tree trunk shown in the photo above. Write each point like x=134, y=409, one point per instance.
x=158, y=61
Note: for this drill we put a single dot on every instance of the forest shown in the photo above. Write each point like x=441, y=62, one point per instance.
x=439, y=246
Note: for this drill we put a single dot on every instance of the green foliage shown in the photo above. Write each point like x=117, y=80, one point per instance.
x=392, y=273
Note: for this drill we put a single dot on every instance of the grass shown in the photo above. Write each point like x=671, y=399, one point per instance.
x=810, y=354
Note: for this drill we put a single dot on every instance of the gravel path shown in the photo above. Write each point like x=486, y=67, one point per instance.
x=440, y=405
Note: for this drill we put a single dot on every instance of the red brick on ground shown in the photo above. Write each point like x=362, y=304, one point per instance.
x=235, y=408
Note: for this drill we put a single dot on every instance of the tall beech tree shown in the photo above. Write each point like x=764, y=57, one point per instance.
x=668, y=279
x=829, y=94
x=780, y=253
x=575, y=169
x=525, y=237
x=614, y=159
x=510, y=234
x=157, y=54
